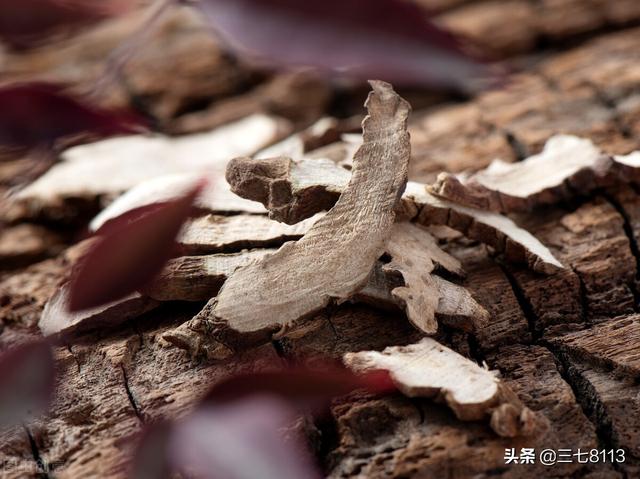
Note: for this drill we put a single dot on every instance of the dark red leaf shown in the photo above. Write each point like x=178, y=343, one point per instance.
x=131, y=251
x=27, y=380
x=25, y=22
x=38, y=114
x=303, y=387
x=391, y=40
x=241, y=440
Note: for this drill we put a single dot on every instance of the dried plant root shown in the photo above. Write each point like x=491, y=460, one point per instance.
x=294, y=190
x=199, y=278
x=57, y=321
x=567, y=166
x=429, y=369
x=334, y=258
x=414, y=256
x=213, y=233
x=108, y=168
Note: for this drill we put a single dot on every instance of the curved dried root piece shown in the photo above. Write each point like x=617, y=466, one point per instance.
x=199, y=278
x=295, y=190
x=57, y=321
x=415, y=255
x=333, y=260
x=567, y=165
x=429, y=369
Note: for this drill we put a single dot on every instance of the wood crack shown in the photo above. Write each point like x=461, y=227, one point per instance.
x=519, y=148
x=42, y=466
x=588, y=400
x=586, y=396
x=526, y=307
x=132, y=400
x=610, y=104
x=633, y=246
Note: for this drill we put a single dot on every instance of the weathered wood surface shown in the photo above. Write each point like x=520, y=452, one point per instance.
x=564, y=343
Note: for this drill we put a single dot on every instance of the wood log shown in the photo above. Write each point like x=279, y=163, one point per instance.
x=563, y=342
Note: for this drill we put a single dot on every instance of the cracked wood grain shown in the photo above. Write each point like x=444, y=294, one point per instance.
x=429, y=369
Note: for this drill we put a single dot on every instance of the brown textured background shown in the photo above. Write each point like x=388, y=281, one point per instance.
x=567, y=343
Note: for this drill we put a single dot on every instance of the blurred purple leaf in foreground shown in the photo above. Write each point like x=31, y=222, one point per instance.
x=241, y=440
x=151, y=459
x=130, y=252
x=38, y=114
x=24, y=23
x=27, y=380
x=245, y=427
x=392, y=40
x=302, y=387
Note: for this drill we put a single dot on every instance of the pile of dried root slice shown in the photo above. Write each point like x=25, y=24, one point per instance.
x=353, y=229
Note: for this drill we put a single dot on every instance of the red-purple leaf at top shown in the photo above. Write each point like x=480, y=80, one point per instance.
x=25, y=22
x=27, y=380
x=240, y=440
x=38, y=114
x=303, y=387
x=130, y=252
x=391, y=40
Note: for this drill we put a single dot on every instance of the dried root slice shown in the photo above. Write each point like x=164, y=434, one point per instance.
x=455, y=308
x=428, y=369
x=333, y=260
x=414, y=256
x=214, y=234
x=216, y=197
x=492, y=229
x=294, y=190
x=567, y=165
x=111, y=167
x=199, y=278
x=57, y=321
x=289, y=189
x=323, y=132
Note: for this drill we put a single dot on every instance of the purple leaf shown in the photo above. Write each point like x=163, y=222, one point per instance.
x=27, y=22
x=240, y=440
x=27, y=380
x=38, y=114
x=387, y=39
x=302, y=387
x=130, y=252
x=151, y=460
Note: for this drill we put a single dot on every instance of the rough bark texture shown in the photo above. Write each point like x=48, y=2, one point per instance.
x=564, y=342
